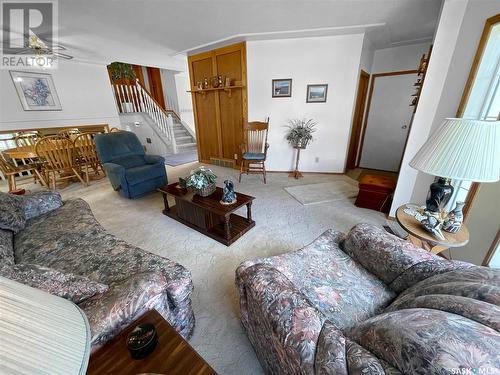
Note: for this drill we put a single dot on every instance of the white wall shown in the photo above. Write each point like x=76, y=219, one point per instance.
x=483, y=221
x=367, y=55
x=169, y=89
x=398, y=58
x=457, y=37
x=182, y=85
x=145, y=130
x=83, y=89
x=333, y=60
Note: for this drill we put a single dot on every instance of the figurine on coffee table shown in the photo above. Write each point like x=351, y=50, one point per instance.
x=229, y=196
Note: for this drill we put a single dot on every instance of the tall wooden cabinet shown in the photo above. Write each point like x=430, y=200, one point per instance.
x=220, y=112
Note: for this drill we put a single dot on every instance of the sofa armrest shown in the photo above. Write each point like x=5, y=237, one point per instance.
x=383, y=254
x=116, y=175
x=123, y=303
x=41, y=202
x=154, y=159
x=281, y=323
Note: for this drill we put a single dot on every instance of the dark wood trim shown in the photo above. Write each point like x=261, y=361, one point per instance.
x=475, y=63
x=491, y=250
x=369, y=102
x=156, y=86
x=395, y=73
x=469, y=200
x=139, y=74
x=357, y=121
x=57, y=128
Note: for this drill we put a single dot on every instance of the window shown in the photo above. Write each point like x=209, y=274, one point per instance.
x=483, y=100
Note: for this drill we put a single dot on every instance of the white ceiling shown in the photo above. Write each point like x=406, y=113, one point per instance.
x=154, y=32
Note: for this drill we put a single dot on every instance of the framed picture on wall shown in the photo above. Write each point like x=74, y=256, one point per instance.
x=282, y=88
x=316, y=93
x=36, y=91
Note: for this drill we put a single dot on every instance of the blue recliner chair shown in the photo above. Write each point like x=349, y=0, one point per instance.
x=128, y=167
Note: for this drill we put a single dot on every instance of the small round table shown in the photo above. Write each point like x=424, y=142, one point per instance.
x=420, y=237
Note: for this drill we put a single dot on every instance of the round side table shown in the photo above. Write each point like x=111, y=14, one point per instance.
x=420, y=237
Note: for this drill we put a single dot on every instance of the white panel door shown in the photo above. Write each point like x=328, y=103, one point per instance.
x=388, y=124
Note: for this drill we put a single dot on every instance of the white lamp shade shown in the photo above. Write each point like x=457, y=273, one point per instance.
x=41, y=333
x=462, y=149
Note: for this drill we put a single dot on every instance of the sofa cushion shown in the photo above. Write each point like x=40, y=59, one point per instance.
x=145, y=172
x=73, y=287
x=11, y=212
x=41, y=202
x=427, y=341
x=383, y=254
x=130, y=161
x=6, y=247
x=334, y=283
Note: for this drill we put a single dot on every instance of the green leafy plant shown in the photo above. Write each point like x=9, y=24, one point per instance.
x=200, y=178
x=121, y=70
x=300, y=131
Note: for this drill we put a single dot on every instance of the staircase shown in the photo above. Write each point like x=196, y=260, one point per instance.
x=135, y=98
x=183, y=139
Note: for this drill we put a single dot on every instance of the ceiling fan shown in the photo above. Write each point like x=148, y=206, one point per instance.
x=37, y=46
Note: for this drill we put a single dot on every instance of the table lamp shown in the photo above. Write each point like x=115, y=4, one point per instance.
x=460, y=149
x=41, y=333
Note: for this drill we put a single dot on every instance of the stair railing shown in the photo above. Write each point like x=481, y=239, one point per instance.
x=136, y=98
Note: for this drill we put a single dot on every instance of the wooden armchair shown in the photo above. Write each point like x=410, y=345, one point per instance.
x=11, y=171
x=26, y=139
x=87, y=154
x=254, y=150
x=60, y=159
x=71, y=133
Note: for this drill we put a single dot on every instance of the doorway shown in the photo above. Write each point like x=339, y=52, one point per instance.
x=357, y=123
x=387, y=121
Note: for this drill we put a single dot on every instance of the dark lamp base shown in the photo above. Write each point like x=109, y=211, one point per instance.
x=439, y=195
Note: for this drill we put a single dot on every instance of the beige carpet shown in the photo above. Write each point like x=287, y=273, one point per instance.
x=282, y=224
x=325, y=192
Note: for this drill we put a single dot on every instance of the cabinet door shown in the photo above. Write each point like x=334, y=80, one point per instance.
x=231, y=105
x=205, y=111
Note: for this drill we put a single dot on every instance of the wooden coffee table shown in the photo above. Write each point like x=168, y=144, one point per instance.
x=172, y=355
x=207, y=215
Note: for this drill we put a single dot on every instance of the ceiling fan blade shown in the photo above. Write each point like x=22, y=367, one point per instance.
x=63, y=55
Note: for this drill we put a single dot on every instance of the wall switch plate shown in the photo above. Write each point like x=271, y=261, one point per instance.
x=317, y=159
x=148, y=140
x=236, y=156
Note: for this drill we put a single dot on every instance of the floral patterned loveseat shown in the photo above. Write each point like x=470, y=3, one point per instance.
x=65, y=239
x=370, y=303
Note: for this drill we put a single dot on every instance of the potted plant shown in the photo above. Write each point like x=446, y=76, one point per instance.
x=202, y=181
x=300, y=132
x=121, y=71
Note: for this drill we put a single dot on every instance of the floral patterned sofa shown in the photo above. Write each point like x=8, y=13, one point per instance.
x=370, y=303
x=65, y=239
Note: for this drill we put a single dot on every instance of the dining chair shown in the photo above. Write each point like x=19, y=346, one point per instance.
x=87, y=154
x=26, y=139
x=254, y=150
x=60, y=159
x=11, y=171
x=114, y=130
x=70, y=133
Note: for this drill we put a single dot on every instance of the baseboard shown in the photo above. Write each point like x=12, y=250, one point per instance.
x=330, y=173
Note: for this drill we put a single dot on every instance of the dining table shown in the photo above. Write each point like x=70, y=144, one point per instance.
x=23, y=152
